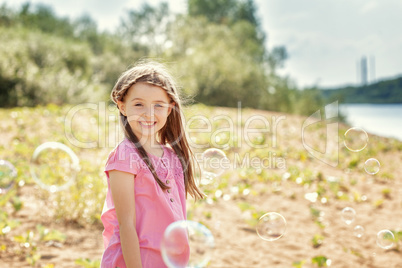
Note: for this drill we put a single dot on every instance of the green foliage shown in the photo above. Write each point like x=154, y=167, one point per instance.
x=220, y=11
x=88, y=263
x=320, y=261
x=50, y=235
x=386, y=91
x=37, y=68
x=299, y=264
x=317, y=240
x=6, y=224
x=218, y=49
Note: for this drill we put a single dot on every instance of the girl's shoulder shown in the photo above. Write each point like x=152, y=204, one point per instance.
x=124, y=151
x=168, y=148
x=171, y=154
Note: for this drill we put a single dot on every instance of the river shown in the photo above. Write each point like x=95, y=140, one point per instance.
x=380, y=119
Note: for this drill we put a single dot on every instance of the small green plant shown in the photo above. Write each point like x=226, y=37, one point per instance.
x=321, y=261
x=353, y=163
x=298, y=264
x=378, y=203
x=28, y=247
x=315, y=213
x=49, y=235
x=317, y=240
x=386, y=192
x=397, y=239
x=244, y=206
x=17, y=203
x=88, y=263
x=6, y=224
x=207, y=214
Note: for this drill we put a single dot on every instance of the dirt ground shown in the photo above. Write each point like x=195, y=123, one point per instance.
x=377, y=202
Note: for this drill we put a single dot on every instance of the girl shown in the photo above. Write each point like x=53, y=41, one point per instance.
x=149, y=173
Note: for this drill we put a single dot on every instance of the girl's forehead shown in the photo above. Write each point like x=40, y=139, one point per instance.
x=147, y=92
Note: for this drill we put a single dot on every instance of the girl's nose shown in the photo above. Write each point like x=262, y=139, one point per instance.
x=149, y=112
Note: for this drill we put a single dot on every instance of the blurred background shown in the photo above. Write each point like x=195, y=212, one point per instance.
x=274, y=55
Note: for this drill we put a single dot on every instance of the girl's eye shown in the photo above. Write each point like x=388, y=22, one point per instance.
x=138, y=104
x=158, y=106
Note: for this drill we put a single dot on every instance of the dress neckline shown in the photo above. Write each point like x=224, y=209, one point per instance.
x=163, y=153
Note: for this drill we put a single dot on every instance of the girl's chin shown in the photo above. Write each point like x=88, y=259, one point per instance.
x=145, y=133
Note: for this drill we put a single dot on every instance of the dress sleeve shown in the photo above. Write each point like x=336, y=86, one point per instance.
x=123, y=158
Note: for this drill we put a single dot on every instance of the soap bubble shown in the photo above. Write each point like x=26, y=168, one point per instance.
x=348, y=215
x=271, y=226
x=214, y=163
x=358, y=231
x=356, y=139
x=385, y=239
x=372, y=166
x=7, y=176
x=54, y=166
x=187, y=244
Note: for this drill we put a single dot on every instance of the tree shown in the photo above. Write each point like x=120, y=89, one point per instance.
x=216, y=11
x=146, y=28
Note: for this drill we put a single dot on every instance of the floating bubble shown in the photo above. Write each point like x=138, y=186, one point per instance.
x=271, y=226
x=214, y=163
x=356, y=139
x=7, y=176
x=187, y=244
x=358, y=231
x=54, y=166
x=348, y=215
x=385, y=239
x=372, y=166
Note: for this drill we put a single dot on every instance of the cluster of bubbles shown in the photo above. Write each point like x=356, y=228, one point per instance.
x=385, y=238
x=356, y=139
x=271, y=226
x=348, y=216
x=53, y=167
x=187, y=244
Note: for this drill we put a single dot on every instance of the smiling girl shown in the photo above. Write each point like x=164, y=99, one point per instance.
x=149, y=173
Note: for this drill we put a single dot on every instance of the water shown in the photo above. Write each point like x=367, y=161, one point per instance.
x=379, y=119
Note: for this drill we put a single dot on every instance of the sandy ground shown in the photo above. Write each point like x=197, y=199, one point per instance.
x=236, y=241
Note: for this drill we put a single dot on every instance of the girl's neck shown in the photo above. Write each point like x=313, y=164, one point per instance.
x=152, y=146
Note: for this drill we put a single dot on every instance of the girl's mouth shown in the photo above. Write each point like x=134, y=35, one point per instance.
x=147, y=124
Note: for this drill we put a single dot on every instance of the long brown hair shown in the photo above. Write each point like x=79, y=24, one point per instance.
x=172, y=133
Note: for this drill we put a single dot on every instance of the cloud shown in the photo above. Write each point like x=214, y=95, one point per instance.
x=325, y=38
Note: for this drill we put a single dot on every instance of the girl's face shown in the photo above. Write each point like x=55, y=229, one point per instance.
x=147, y=108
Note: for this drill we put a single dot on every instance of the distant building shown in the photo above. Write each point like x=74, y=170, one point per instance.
x=362, y=71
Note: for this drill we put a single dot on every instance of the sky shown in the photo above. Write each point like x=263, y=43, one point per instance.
x=325, y=39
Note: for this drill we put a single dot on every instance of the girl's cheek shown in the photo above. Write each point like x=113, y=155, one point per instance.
x=133, y=117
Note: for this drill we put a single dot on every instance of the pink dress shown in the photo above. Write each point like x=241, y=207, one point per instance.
x=155, y=208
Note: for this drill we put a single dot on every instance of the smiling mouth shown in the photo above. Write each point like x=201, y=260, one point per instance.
x=147, y=124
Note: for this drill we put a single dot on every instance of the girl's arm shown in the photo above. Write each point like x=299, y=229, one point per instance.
x=122, y=188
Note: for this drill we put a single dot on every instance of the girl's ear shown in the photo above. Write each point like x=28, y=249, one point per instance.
x=122, y=107
x=171, y=106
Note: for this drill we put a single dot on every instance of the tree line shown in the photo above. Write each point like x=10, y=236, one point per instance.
x=217, y=50
x=381, y=92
